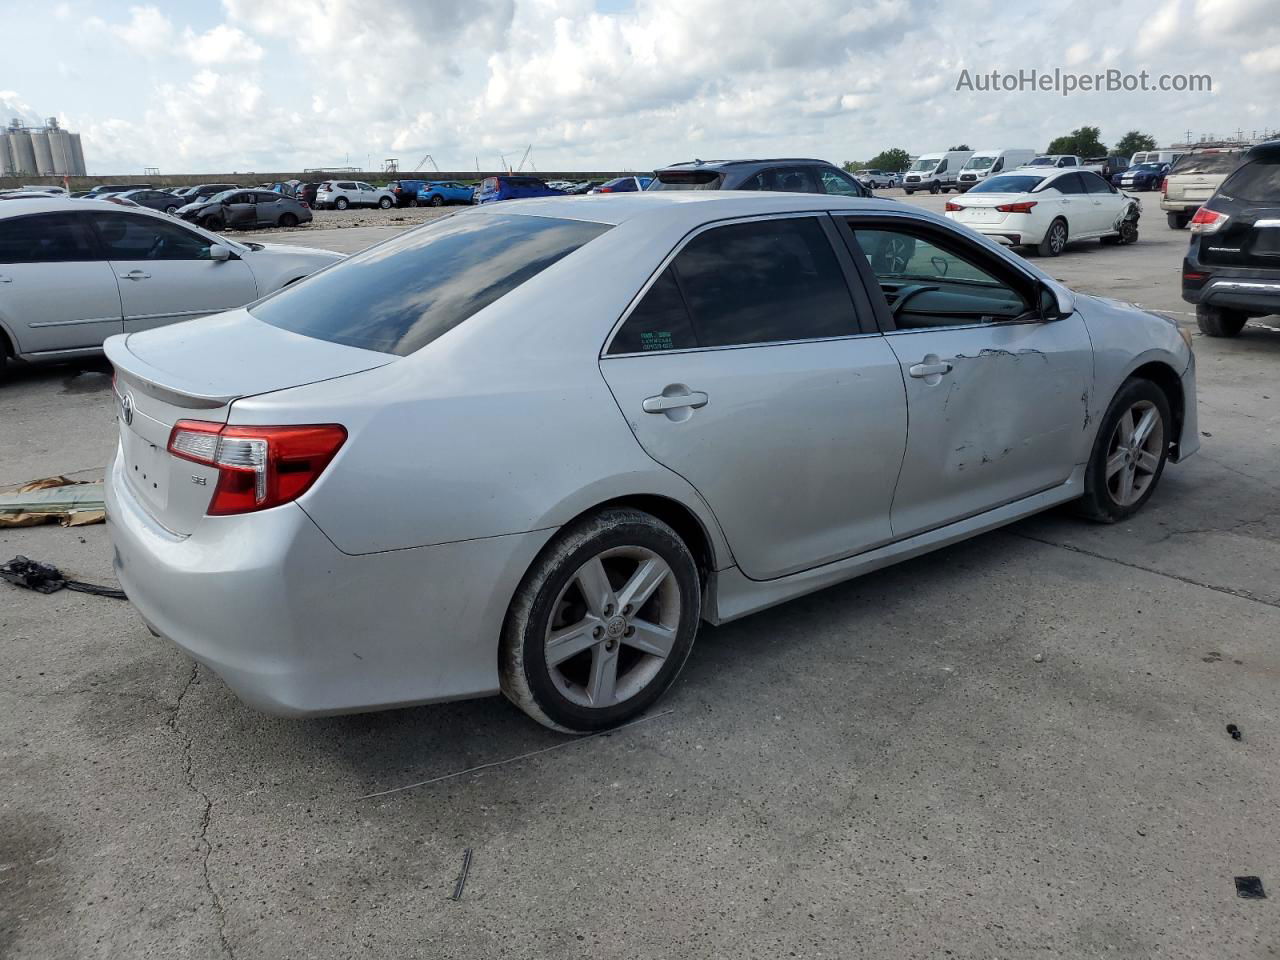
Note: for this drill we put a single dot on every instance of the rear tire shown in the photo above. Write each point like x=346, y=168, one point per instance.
x=1217, y=322
x=340, y=204
x=1055, y=239
x=287, y=220
x=413, y=202
x=1177, y=221
x=909, y=193
x=1125, y=467
x=574, y=598
x=437, y=200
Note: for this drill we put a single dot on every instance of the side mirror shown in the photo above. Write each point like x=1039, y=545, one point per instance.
x=220, y=252
x=1051, y=306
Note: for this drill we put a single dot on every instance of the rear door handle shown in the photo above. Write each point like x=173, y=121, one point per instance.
x=930, y=369
x=6, y=279
x=135, y=275
x=663, y=403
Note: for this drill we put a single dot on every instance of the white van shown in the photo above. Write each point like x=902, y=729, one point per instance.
x=1154, y=156
x=987, y=163
x=935, y=172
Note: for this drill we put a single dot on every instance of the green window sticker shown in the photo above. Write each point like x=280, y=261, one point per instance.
x=656, y=340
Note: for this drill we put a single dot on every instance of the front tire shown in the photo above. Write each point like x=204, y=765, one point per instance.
x=1055, y=239
x=213, y=223
x=171, y=210
x=933, y=187
x=1217, y=322
x=602, y=623
x=1129, y=452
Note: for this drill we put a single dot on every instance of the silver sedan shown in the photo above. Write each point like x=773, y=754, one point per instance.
x=530, y=447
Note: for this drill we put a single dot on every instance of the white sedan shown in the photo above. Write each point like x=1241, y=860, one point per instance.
x=74, y=272
x=1043, y=212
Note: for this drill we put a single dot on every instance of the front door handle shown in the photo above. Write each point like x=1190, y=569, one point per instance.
x=937, y=369
x=675, y=401
x=6, y=279
x=135, y=275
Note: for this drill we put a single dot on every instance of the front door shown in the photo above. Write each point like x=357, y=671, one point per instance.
x=56, y=291
x=240, y=210
x=997, y=398
x=744, y=368
x=165, y=272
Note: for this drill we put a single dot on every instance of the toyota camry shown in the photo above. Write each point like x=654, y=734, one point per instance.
x=529, y=448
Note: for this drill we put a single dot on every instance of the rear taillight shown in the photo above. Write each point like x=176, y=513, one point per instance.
x=1164, y=186
x=1022, y=206
x=258, y=467
x=952, y=206
x=1208, y=221
x=305, y=204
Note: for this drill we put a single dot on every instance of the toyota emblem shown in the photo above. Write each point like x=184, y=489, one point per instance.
x=126, y=408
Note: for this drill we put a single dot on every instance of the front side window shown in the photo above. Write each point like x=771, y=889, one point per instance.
x=928, y=282
x=942, y=167
x=1067, y=162
x=749, y=283
x=836, y=183
x=128, y=237
x=46, y=238
x=401, y=295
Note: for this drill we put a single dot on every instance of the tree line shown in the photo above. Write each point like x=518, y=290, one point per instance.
x=1083, y=142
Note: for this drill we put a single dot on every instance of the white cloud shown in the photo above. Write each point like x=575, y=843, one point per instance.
x=221, y=44
x=148, y=30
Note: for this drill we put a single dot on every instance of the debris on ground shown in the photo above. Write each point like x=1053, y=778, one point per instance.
x=1234, y=731
x=462, y=877
x=45, y=578
x=1038, y=658
x=72, y=503
x=1250, y=888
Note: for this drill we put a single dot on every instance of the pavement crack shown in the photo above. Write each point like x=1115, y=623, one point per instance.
x=1230, y=528
x=206, y=848
x=1240, y=594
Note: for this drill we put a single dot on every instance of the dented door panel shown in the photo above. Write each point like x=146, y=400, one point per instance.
x=995, y=413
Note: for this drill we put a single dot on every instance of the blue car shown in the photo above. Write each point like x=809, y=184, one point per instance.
x=513, y=187
x=437, y=193
x=1142, y=176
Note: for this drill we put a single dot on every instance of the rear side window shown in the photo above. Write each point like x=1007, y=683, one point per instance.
x=687, y=180
x=1257, y=181
x=1095, y=184
x=783, y=180
x=746, y=283
x=1069, y=184
x=839, y=184
x=1210, y=162
x=399, y=296
x=46, y=238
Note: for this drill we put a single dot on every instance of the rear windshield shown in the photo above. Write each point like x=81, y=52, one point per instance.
x=399, y=296
x=1257, y=181
x=1216, y=162
x=1013, y=183
x=686, y=180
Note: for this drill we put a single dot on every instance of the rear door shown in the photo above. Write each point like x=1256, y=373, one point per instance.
x=56, y=291
x=746, y=368
x=996, y=399
x=165, y=273
x=268, y=208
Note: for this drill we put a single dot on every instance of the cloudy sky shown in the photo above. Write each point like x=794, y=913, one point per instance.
x=279, y=85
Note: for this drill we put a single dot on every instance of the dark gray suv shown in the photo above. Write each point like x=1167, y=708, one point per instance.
x=781, y=176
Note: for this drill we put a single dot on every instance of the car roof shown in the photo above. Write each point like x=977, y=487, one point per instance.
x=718, y=164
x=1264, y=151
x=694, y=206
x=22, y=207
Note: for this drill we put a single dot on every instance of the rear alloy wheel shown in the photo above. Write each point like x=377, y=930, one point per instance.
x=1055, y=239
x=602, y=623
x=385, y=203
x=171, y=209
x=413, y=201
x=1177, y=221
x=1129, y=452
x=437, y=200
x=1217, y=322
x=288, y=220
x=340, y=203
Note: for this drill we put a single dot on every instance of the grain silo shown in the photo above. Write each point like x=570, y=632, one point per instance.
x=47, y=151
x=21, y=153
x=7, y=168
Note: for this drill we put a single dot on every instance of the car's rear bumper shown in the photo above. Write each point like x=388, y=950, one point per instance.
x=1250, y=291
x=1181, y=206
x=296, y=627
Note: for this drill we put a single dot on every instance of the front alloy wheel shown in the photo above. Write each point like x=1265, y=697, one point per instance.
x=1129, y=452
x=602, y=623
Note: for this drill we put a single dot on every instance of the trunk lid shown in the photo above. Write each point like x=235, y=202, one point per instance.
x=196, y=371
x=1249, y=239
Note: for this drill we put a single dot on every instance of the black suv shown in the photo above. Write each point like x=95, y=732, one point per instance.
x=781, y=176
x=1232, y=268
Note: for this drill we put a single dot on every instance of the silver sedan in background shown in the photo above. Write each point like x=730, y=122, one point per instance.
x=530, y=448
x=74, y=272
